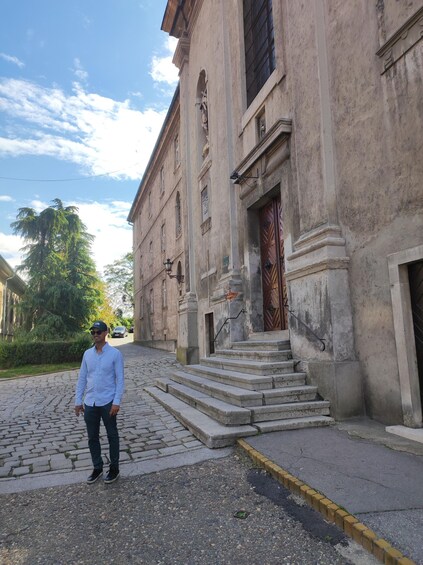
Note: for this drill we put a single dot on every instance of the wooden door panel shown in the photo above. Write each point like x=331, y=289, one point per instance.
x=274, y=289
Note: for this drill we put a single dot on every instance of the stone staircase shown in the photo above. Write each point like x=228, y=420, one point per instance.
x=249, y=389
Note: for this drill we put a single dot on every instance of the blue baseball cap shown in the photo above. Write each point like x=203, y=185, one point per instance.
x=99, y=325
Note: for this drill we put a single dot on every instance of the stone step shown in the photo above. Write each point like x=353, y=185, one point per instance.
x=247, y=380
x=248, y=366
x=241, y=380
x=266, y=345
x=262, y=356
x=231, y=394
x=223, y=412
x=211, y=433
x=267, y=336
x=290, y=394
x=294, y=424
x=289, y=410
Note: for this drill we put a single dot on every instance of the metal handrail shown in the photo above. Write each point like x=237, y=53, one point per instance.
x=290, y=311
x=242, y=311
x=322, y=341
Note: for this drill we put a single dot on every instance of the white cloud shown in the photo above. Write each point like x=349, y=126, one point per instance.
x=108, y=223
x=99, y=134
x=10, y=246
x=12, y=59
x=5, y=198
x=162, y=68
x=80, y=73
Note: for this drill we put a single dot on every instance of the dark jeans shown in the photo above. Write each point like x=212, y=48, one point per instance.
x=92, y=417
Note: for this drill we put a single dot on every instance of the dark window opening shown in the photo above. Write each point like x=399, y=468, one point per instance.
x=259, y=45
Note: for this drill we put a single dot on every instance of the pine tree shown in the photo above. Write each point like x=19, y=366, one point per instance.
x=62, y=293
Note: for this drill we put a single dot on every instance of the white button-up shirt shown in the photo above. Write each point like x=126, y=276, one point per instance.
x=100, y=377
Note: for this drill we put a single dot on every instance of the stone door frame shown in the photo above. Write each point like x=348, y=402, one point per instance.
x=404, y=334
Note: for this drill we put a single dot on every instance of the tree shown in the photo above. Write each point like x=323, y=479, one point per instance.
x=61, y=293
x=119, y=278
x=104, y=310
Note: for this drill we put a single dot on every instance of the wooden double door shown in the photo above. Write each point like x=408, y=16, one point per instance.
x=272, y=266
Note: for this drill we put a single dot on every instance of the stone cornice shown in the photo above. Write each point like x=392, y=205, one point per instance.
x=181, y=55
x=319, y=250
x=317, y=239
x=324, y=265
x=279, y=132
x=402, y=40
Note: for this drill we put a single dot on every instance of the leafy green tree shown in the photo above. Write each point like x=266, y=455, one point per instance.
x=61, y=293
x=104, y=310
x=119, y=278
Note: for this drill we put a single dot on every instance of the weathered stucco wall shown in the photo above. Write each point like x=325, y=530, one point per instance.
x=377, y=120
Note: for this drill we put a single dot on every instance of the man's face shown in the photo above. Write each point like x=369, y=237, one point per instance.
x=98, y=336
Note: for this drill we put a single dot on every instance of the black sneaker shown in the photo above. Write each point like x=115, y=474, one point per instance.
x=94, y=476
x=111, y=476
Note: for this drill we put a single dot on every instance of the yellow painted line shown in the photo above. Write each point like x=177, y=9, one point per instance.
x=352, y=527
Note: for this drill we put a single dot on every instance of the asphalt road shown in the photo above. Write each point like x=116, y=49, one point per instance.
x=183, y=516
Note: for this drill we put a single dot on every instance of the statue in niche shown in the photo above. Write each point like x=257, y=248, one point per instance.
x=204, y=109
x=204, y=112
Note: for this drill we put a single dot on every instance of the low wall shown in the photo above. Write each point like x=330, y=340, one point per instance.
x=166, y=345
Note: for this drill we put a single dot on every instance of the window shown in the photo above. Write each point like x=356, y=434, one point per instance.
x=149, y=205
x=204, y=204
x=162, y=181
x=164, y=294
x=177, y=158
x=151, y=301
x=163, y=238
x=150, y=255
x=259, y=45
x=178, y=216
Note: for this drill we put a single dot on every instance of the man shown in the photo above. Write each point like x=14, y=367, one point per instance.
x=101, y=379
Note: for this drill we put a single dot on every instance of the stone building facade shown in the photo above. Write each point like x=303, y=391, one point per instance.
x=302, y=184
x=158, y=217
x=12, y=288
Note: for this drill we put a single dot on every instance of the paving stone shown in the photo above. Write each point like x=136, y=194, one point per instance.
x=40, y=468
x=39, y=421
x=19, y=471
x=5, y=470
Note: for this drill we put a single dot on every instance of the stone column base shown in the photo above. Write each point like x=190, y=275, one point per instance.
x=340, y=383
x=187, y=355
x=187, y=351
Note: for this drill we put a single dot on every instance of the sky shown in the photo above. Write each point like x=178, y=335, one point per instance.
x=84, y=88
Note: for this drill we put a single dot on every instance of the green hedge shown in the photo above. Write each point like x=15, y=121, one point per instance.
x=16, y=353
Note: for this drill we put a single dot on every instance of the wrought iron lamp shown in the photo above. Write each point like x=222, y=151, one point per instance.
x=237, y=178
x=168, y=268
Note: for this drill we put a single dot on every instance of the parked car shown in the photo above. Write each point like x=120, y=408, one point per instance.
x=119, y=331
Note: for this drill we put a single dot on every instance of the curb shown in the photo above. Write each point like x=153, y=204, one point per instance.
x=353, y=528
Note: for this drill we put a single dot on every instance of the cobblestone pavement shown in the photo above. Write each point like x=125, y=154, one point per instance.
x=40, y=434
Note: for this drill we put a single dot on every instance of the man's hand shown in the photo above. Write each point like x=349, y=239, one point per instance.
x=114, y=409
x=79, y=409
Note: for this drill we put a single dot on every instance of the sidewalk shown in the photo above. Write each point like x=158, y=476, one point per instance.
x=371, y=474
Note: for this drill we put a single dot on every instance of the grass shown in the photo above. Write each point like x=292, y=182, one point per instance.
x=33, y=370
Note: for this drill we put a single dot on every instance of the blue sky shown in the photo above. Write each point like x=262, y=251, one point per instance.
x=84, y=88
